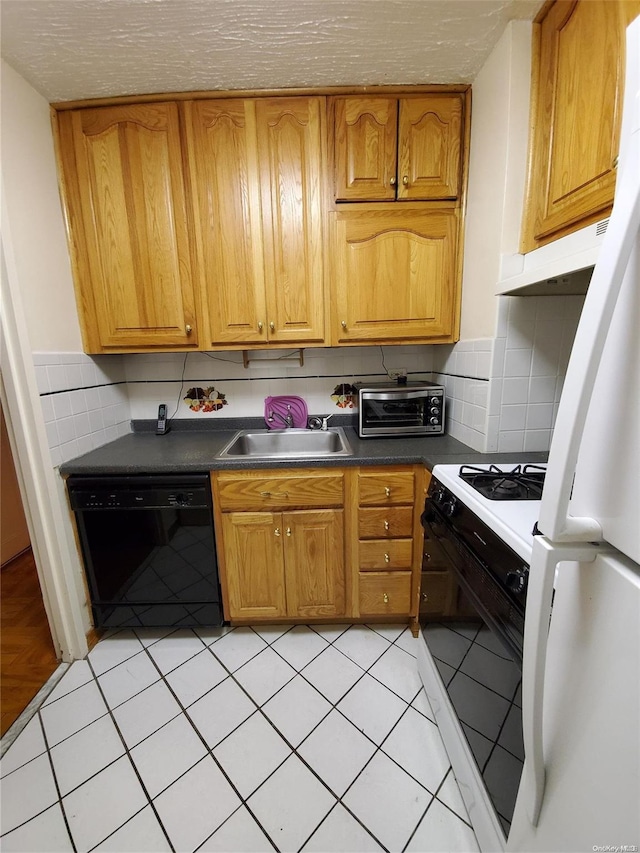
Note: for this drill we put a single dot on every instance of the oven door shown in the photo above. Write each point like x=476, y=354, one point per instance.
x=479, y=662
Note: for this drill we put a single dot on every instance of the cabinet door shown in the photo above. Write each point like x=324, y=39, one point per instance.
x=365, y=148
x=125, y=177
x=429, y=147
x=577, y=117
x=314, y=560
x=290, y=133
x=254, y=565
x=395, y=275
x=224, y=177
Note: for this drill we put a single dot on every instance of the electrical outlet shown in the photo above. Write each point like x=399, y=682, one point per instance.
x=395, y=372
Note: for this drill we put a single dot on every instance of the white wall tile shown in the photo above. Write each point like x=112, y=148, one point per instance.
x=517, y=362
x=542, y=389
x=511, y=442
x=61, y=406
x=539, y=416
x=513, y=417
x=537, y=440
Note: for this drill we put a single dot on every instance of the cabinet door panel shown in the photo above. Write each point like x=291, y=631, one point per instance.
x=131, y=191
x=254, y=565
x=314, y=559
x=365, y=148
x=429, y=149
x=224, y=175
x=395, y=275
x=291, y=166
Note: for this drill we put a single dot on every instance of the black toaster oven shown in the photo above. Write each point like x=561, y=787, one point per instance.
x=393, y=409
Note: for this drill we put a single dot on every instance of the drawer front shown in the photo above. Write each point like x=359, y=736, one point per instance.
x=387, y=554
x=389, y=522
x=382, y=489
x=277, y=492
x=385, y=593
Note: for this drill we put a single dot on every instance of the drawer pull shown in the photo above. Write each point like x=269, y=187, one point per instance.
x=386, y=525
x=385, y=597
x=387, y=558
x=276, y=532
x=288, y=531
x=425, y=597
x=387, y=491
x=274, y=494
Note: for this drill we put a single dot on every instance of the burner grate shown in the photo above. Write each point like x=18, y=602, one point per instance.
x=521, y=483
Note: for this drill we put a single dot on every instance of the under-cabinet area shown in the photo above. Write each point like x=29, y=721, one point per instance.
x=319, y=543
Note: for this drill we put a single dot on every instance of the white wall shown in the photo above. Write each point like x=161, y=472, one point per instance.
x=36, y=223
x=497, y=168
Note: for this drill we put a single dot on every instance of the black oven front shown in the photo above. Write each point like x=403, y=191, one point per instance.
x=477, y=646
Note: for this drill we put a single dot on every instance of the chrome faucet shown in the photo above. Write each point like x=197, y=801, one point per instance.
x=325, y=420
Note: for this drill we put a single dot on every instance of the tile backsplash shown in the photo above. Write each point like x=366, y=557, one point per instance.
x=502, y=393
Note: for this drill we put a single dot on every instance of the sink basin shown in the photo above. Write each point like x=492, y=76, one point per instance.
x=286, y=444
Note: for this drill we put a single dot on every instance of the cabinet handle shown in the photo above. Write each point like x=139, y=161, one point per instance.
x=260, y=327
x=615, y=163
x=405, y=181
x=276, y=532
x=188, y=329
x=272, y=326
x=393, y=182
x=385, y=597
x=386, y=525
x=387, y=558
x=344, y=325
x=274, y=494
x=387, y=491
x=288, y=531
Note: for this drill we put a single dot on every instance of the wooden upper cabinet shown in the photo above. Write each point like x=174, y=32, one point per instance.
x=577, y=97
x=405, y=149
x=123, y=182
x=224, y=172
x=366, y=144
x=395, y=275
x=257, y=174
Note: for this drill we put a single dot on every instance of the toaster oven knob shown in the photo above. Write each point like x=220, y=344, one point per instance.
x=433, y=420
x=517, y=581
x=435, y=410
x=435, y=401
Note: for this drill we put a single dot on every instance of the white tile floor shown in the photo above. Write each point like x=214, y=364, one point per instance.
x=307, y=738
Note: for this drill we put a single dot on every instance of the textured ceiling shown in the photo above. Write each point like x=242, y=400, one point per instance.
x=71, y=49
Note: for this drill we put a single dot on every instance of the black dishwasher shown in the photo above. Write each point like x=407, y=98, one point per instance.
x=149, y=549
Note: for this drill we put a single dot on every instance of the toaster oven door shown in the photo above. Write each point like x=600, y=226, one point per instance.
x=397, y=413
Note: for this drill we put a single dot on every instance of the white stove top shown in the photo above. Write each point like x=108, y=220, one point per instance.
x=512, y=521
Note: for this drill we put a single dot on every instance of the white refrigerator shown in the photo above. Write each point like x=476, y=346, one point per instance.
x=580, y=787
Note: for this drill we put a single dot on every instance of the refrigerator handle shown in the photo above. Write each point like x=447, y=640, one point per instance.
x=555, y=521
x=544, y=561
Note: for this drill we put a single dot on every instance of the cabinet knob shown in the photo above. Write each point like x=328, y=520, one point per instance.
x=405, y=180
x=344, y=325
x=386, y=525
x=425, y=597
x=188, y=329
x=260, y=327
x=385, y=597
x=276, y=532
x=272, y=326
x=387, y=558
x=393, y=182
x=288, y=531
x=387, y=491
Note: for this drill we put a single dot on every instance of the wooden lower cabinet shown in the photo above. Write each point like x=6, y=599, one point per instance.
x=285, y=557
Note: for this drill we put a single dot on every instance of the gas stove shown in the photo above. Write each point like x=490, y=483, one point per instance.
x=505, y=497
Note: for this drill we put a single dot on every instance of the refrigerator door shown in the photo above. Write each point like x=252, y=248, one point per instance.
x=596, y=438
x=591, y=731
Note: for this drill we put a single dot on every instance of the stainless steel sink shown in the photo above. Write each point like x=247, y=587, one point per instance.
x=286, y=444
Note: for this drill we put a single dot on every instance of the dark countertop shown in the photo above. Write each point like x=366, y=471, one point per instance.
x=194, y=451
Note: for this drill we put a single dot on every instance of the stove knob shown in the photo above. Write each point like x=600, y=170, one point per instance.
x=451, y=507
x=517, y=581
x=440, y=496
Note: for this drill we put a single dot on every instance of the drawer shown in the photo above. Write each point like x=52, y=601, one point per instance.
x=385, y=593
x=389, y=522
x=387, y=554
x=380, y=489
x=273, y=491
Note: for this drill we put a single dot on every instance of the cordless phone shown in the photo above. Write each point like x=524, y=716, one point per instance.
x=162, y=427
